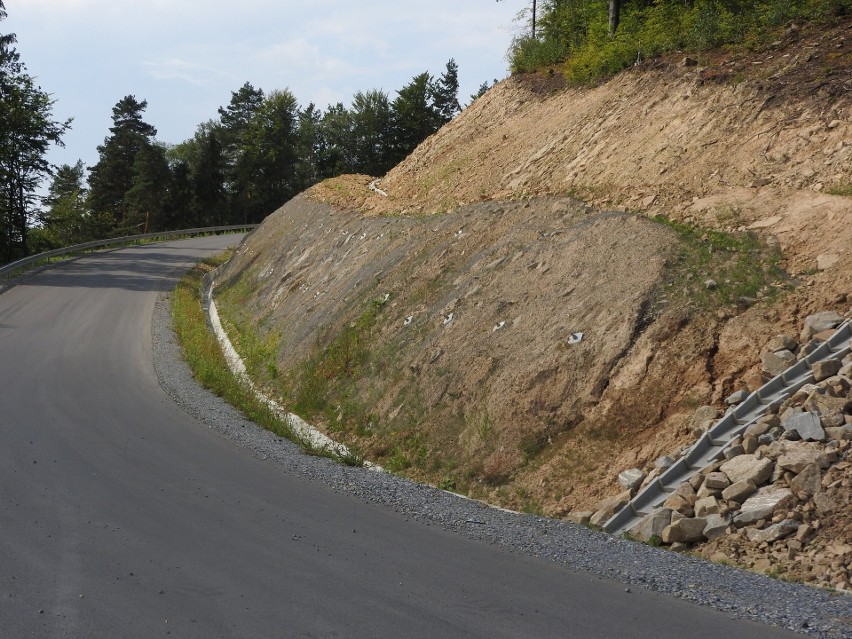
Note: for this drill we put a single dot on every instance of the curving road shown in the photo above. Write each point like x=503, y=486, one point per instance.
x=120, y=516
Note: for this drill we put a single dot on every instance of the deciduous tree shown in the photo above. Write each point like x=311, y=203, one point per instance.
x=27, y=129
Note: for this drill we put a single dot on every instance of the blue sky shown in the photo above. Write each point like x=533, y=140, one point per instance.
x=186, y=56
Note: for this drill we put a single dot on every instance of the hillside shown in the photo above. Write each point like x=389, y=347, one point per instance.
x=509, y=322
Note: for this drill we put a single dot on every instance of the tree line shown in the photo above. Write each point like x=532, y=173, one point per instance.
x=261, y=150
x=594, y=39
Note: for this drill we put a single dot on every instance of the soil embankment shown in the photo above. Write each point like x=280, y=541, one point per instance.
x=433, y=327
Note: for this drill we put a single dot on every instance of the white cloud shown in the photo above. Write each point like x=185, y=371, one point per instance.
x=184, y=71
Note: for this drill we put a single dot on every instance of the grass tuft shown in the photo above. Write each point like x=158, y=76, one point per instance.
x=205, y=359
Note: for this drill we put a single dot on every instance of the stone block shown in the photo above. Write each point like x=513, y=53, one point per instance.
x=806, y=425
x=704, y=492
x=747, y=467
x=608, y=508
x=824, y=403
x=701, y=416
x=680, y=504
x=736, y=397
x=832, y=419
x=782, y=343
x=687, y=530
x=757, y=429
x=797, y=455
x=706, y=506
x=664, y=462
x=580, y=516
x=777, y=362
x=739, y=491
x=715, y=526
x=837, y=386
x=841, y=433
x=652, y=525
x=734, y=451
x=809, y=481
x=773, y=533
x=825, y=369
x=819, y=322
x=825, y=505
x=631, y=478
x=717, y=481
x=763, y=504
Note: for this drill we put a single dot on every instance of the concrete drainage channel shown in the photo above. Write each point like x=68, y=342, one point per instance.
x=300, y=427
x=711, y=446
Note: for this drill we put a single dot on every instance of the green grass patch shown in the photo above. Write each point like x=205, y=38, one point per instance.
x=325, y=384
x=204, y=356
x=710, y=269
x=840, y=189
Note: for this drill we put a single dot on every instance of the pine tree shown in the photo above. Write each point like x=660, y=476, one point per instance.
x=370, y=117
x=112, y=177
x=413, y=118
x=265, y=171
x=66, y=219
x=208, y=181
x=445, y=93
x=334, y=155
x=308, y=147
x=146, y=199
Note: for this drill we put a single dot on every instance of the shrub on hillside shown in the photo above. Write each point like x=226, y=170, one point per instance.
x=577, y=32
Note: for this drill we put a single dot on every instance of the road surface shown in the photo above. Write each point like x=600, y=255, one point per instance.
x=121, y=516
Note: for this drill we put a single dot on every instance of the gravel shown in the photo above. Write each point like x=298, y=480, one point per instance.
x=737, y=593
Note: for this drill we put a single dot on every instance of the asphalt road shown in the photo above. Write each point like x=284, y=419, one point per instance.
x=121, y=516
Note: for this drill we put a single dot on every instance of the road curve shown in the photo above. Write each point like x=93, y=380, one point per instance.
x=120, y=516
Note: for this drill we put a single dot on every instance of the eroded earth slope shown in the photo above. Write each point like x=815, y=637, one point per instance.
x=438, y=328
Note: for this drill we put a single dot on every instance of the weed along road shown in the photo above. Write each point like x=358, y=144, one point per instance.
x=122, y=515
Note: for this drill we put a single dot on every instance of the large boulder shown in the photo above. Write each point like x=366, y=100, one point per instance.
x=702, y=419
x=706, y=506
x=809, y=481
x=687, y=530
x=774, y=532
x=739, y=491
x=608, y=508
x=747, y=468
x=825, y=369
x=777, y=362
x=717, y=481
x=841, y=433
x=763, y=504
x=715, y=526
x=797, y=455
x=631, y=478
x=819, y=322
x=807, y=425
x=652, y=525
x=782, y=343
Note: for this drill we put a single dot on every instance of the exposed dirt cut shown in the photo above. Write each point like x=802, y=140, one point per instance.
x=465, y=375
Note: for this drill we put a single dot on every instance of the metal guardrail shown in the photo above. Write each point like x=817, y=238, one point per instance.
x=712, y=444
x=19, y=267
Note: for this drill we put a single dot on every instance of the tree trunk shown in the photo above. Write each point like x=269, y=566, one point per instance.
x=614, y=15
x=533, y=20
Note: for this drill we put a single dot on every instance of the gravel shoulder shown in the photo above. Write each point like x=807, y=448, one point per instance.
x=737, y=593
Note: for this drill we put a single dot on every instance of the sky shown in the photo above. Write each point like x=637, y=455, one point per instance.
x=185, y=57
